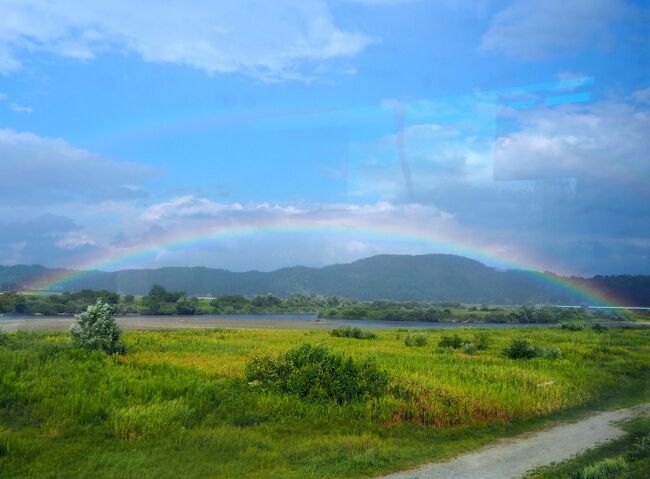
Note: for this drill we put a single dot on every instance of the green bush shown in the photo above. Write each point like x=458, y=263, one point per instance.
x=469, y=348
x=416, y=340
x=96, y=329
x=640, y=449
x=522, y=349
x=609, y=468
x=571, y=326
x=482, y=340
x=350, y=332
x=599, y=328
x=552, y=353
x=315, y=373
x=454, y=342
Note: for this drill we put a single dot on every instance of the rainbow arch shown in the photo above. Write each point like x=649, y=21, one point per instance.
x=133, y=254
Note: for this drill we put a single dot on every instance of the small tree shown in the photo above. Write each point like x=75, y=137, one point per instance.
x=96, y=329
x=185, y=305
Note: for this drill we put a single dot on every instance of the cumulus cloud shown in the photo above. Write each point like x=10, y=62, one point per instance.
x=243, y=236
x=44, y=238
x=41, y=170
x=443, y=141
x=555, y=180
x=217, y=37
x=606, y=141
x=531, y=29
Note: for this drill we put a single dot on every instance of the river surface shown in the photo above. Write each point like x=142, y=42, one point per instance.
x=255, y=321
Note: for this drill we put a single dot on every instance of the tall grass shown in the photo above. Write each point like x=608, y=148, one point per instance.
x=180, y=398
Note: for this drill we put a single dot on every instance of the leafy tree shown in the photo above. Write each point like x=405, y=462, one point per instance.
x=152, y=304
x=158, y=292
x=185, y=305
x=8, y=302
x=266, y=301
x=96, y=329
x=228, y=303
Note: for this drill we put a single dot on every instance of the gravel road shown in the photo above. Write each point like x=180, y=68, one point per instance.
x=514, y=457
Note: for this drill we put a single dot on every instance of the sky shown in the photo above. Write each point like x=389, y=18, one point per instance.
x=256, y=135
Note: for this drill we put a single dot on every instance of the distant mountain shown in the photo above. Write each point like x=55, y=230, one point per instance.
x=433, y=277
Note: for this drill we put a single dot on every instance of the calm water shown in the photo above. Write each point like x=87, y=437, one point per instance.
x=298, y=318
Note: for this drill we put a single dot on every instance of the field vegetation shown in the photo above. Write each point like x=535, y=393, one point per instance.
x=160, y=301
x=253, y=403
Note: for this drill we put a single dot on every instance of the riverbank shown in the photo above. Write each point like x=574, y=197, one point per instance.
x=268, y=321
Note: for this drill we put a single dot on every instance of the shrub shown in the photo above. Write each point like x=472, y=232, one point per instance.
x=609, y=468
x=315, y=373
x=469, y=348
x=571, y=326
x=416, y=340
x=350, y=332
x=96, y=329
x=454, y=342
x=552, y=353
x=640, y=449
x=599, y=328
x=482, y=340
x=521, y=349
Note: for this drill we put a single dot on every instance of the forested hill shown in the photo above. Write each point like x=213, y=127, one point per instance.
x=434, y=277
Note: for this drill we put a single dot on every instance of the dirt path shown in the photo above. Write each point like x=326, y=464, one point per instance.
x=512, y=458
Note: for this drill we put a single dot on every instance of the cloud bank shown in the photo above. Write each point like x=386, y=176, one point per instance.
x=281, y=40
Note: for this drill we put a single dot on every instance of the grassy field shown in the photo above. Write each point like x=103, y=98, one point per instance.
x=177, y=404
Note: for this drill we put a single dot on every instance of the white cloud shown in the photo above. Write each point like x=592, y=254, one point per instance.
x=642, y=96
x=187, y=207
x=532, y=29
x=606, y=141
x=269, y=40
x=20, y=108
x=40, y=170
x=75, y=239
x=446, y=140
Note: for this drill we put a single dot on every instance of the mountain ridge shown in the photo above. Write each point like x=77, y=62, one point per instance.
x=430, y=277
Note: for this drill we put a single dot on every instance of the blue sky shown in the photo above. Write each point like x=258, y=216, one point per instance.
x=514, y=130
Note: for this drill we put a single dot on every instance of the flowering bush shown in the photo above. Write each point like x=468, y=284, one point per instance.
x=96, y=329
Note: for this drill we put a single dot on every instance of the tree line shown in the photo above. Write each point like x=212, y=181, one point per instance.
x=160, y=301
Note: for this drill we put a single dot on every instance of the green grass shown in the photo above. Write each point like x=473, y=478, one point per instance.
x=177, y=404
x=618, y=459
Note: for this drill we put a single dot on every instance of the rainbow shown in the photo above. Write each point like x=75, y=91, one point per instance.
x=131, y=255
